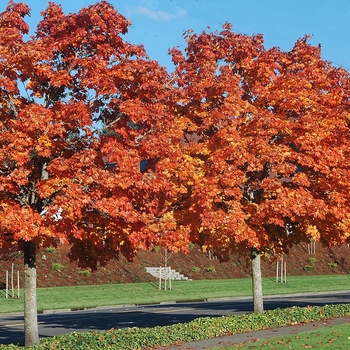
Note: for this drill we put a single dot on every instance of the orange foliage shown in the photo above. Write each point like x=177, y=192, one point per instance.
x=80, y=108
x=241, y=147
x=270, y=139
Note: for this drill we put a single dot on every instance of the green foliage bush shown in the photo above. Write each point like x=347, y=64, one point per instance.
x=308, y=267
x=156, y=249
x=50, y=249
x=211, y=268
x=198, y=329
x=196, y=269
x=56, y=266
x=311, y=260
x=85, y=272
x=332, y=265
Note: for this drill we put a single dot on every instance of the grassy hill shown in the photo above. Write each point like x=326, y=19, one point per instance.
x=54, y=268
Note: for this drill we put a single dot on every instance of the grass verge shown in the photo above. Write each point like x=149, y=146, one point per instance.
x=80, y=297
x=335, y=337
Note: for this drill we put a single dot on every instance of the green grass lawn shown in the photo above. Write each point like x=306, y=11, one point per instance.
x=145, y=293
x=335, y=337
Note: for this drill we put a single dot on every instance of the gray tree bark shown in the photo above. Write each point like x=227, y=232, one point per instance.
x=257, y=282
x=30, y=307
x=31, y=331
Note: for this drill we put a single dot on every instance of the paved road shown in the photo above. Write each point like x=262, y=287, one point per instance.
x=11, y=325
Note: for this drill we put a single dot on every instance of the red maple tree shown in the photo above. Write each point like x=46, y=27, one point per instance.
x=84, y=126
x=269, y=134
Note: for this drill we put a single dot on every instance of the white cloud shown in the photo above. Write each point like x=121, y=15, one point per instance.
x=159, y=15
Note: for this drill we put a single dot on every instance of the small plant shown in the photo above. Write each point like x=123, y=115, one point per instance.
x=267, y=255
x=196, y=269
x=332, y=265
x=50, y=249
x=56, y=266
x=85, y=272
x=308, y=267
x=156, y=249
x=311, y=260
x=190, y=246
x=211, y=268
x=17, y=254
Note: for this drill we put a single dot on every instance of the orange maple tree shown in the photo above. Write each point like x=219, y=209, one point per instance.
x=84, y=147
x=268, y=132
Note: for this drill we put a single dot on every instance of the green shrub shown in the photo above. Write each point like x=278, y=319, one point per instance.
x=50, y=249
x=211, y=268
x=196, y=269
x=190, y=246
x=56, y=266
x=308, y=267
x=332, y=265
x=85, y=272
x=156, y=249
x=198, y=329
x=311, y=260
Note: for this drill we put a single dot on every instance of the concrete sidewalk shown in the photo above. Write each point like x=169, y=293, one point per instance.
x=257, y=335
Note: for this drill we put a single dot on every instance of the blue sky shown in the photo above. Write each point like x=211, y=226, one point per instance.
x=159, y=24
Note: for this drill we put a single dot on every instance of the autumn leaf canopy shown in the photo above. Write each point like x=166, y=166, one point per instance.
x=269, y=132
x=83, y=125
x=241, y=147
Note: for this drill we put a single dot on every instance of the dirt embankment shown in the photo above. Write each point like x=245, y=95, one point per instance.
x=54, y=268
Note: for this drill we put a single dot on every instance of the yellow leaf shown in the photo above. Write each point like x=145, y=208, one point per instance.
x=44, y=141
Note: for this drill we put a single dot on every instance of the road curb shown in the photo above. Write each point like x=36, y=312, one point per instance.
x=55, y=311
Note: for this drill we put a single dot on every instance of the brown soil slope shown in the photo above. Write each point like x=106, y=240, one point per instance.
x=54, y=268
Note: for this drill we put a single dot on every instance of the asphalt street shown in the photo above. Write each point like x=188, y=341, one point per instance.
x=65, y=321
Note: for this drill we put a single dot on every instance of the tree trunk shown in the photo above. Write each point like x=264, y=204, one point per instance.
x=257, y=282
x=31, y=331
